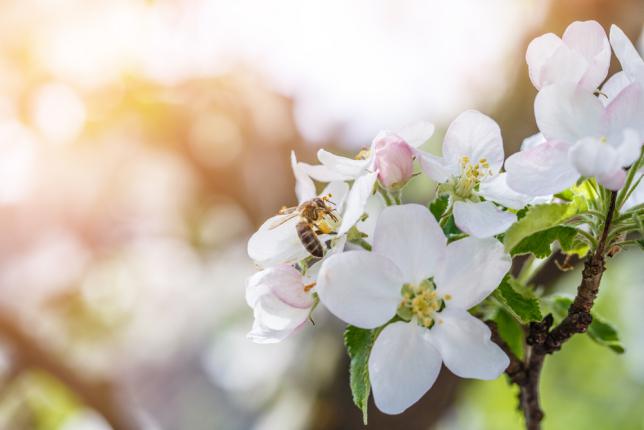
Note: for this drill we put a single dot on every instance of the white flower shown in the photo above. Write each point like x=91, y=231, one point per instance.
x=470, y=169
x=412, y=272
x=583, y=138
x=277, y=241
x=631, y=62
x=581, y=56
x=281, y=299
x=364, y=171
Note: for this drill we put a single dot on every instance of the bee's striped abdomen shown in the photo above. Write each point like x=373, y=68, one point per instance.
x=309, y=239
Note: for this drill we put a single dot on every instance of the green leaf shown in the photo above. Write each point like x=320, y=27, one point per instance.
x=518, y=300
x=510, y=331
x=358, y=342
x=451, y=230
x=540, y=243
x=538, y=218
x=601, y=331
x=439, y=206
x=604, y=333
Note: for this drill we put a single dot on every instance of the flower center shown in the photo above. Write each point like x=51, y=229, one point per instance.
x=363, y=154
x=420, y=303
x=471, y=175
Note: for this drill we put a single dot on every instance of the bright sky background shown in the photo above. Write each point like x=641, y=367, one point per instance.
x=352, y=68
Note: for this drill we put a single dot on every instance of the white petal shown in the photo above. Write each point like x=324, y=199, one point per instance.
x=472, y=269
x=338, y=245
x=323, y=173
x=538, y=53
x=403, y=366
x=631, y=61
x=275, y=244
x=410, y=237
x=482, y=219
x=594, y=158
x=347, y=167
x=356, y=201
x=304, y=186
x=630, y=147
x=476, y=136
x=568, y=112
x=589, y=39
x=435, y=167
x=374, y=207
x=417, y=134
x=361, y=288
x=532, y=141
x=498, y=190
x=565, y=65
x=541, y=170
x=613, y=86
x=339, y=192
x=465, y=346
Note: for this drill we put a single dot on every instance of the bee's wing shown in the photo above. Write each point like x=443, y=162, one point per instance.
x=289, y=217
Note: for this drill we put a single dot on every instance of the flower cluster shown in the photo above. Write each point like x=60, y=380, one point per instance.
x=417, y=278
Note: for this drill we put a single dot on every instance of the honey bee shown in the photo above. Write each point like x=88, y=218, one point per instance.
x=317, y=216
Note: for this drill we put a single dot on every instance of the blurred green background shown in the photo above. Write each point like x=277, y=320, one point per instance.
x=142, y=142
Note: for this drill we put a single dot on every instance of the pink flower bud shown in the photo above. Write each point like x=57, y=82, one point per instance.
x=394, y=160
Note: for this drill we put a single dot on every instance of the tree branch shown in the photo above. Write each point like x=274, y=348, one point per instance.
x=99, y=395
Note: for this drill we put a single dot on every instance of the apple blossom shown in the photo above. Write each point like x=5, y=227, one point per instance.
x=580, y=56
x=276, y=241
x=389, y=164
x=281, y=299
x=583, y=138
x=470, y=170
x=413, y=273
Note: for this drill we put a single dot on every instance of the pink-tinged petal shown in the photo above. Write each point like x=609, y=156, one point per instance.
x=613, y=86
x=613, y=181
x=347, y=167
x=435, y=167
x=541, y=170
x=588, y=38
x=539, y=52
x=284, y=281
x=357, y=199
x=568, y=112
x=418, y=133
x=592, y=158
x=498, y=190
x=482, y=219
x=565, y=65
x=394, y=159
x=628, y=57
x=275, y=320
x=626, y=110
x=361, y=288
x=276, y=242
x=304, y=186
x=532, y=141
x=465, y=346
x=476, y=136
x=472, y=269
x=410, y=237
x=403, y=366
